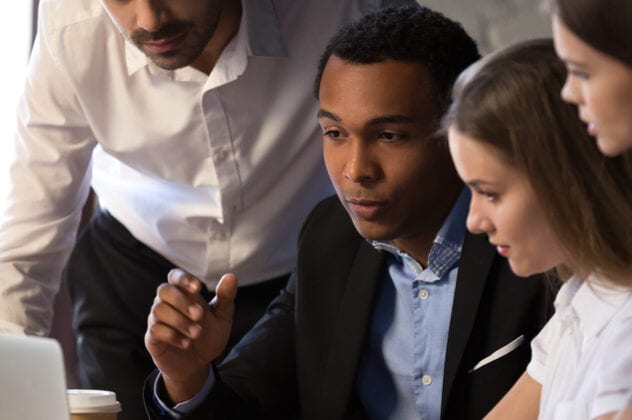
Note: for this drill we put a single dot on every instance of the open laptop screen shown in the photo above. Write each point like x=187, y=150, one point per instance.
x=33, y=379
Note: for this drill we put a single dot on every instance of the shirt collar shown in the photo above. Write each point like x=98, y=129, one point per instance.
x=452, y=231
x=448, y=243
x=604, y=301
x=259, y=24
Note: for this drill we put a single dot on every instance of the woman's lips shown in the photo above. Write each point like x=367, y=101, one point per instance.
x=502, y=250
x=164, y=46
x=592, y=129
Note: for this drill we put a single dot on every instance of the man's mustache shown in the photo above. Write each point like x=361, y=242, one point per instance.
x=168, y=30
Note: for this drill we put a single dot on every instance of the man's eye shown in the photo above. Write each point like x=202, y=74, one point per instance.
x=391, y=136
x=334, y=134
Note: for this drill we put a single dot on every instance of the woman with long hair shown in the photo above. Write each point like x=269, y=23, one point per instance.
x=550, y=202
x=594, y=38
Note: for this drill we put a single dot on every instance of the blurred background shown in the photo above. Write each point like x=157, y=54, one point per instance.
x=496, y=23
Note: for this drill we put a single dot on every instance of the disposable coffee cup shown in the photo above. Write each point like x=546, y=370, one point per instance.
x=92, y=404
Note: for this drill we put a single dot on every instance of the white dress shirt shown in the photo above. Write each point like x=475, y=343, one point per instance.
x=214, y=172
x=583, y=356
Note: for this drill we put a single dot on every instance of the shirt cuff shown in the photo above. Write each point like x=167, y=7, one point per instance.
x=184, y=408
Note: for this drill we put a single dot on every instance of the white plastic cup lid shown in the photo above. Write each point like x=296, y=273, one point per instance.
x=92, y=401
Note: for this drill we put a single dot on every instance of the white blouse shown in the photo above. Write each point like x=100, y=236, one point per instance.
x=583, y=356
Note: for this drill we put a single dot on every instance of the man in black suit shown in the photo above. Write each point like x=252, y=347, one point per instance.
x=393, y=310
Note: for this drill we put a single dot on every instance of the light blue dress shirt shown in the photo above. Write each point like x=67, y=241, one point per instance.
x=401, y=370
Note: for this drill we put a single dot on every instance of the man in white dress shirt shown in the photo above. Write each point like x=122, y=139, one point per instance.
x=194, y=123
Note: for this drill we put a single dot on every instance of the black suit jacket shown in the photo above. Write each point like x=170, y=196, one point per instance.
x=301, y=358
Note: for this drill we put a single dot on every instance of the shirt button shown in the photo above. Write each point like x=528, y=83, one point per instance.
x=423, y=294
x=220, y=155
x=426, y=380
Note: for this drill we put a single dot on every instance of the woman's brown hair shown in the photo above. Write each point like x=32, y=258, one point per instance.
x=605, y=25
x=510, y=100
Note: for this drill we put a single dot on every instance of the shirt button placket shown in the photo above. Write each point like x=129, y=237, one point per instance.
x=217, y=231
x=220, y=155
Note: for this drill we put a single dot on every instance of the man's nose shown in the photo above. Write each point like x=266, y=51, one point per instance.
x=360, y=166
x=149, y=15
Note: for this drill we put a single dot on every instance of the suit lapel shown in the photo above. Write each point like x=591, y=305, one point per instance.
x=474, y=265
x=349, y=333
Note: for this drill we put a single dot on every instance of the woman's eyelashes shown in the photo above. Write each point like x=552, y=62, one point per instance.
x=578, y=73
x=488, y=195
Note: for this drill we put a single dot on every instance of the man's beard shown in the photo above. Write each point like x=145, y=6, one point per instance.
x=183, y=56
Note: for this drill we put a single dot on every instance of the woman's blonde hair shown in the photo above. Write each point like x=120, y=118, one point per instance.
x=511, y=100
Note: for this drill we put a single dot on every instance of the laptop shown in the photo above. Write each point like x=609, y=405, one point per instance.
x=33, y=379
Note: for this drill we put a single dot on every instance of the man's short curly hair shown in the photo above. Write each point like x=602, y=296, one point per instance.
x=411, y=34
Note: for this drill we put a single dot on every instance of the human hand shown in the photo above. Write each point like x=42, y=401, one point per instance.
x=185, y=333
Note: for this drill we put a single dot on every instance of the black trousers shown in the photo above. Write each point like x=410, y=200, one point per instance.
x=113, y=279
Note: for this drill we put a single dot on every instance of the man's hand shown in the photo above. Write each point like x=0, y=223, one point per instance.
x=185, y=333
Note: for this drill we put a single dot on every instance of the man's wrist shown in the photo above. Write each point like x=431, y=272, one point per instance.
x=167, y=409
x=183, y=390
